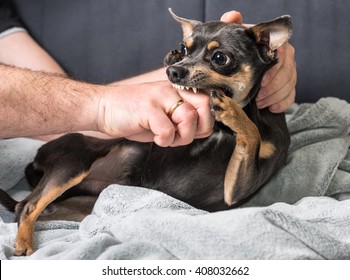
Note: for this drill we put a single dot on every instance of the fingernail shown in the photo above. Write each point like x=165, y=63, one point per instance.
x=260, y=104
x=232, y=16
x=274, y=107
x=224, y=16
x=261, y=95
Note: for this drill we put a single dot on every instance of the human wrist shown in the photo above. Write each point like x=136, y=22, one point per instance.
x=107, y=107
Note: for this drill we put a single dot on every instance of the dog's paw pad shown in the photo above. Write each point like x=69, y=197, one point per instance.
x=222, y=107
x=216, y=95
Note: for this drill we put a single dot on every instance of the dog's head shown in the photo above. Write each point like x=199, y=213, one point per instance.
x=227, y=57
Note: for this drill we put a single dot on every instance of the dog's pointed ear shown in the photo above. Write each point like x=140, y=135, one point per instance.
x=273, y=33
x=186, y=24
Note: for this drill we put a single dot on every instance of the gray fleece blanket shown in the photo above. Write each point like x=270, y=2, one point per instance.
x=302, y=213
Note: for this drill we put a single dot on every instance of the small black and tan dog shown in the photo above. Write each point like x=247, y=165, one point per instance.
x=246, y=148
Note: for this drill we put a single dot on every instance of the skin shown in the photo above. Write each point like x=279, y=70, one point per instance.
x=36, y=103
x=64, y=105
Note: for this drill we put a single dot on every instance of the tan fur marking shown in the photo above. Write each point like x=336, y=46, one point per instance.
x=56, y=192
x=189, y=42
x=24, y=239
x=241, y=82
x=267, y=149
x=213, y=44
x=232, y=172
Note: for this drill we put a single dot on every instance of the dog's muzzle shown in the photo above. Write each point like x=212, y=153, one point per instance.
x=177, y=74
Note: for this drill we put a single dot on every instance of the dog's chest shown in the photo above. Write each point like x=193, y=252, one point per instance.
x=192, y=171
x=212, y=142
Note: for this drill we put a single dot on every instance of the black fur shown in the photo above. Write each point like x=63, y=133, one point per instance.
x=194, y=173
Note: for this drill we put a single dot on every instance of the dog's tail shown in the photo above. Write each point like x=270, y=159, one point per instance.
x=7, y=201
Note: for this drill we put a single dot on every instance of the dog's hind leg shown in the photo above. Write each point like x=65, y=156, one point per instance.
x=51, y=186
x=61, y=164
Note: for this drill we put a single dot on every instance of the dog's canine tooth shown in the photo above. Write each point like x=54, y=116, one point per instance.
x=194, y=90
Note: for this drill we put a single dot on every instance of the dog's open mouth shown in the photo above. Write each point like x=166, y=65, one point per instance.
x=223, y=89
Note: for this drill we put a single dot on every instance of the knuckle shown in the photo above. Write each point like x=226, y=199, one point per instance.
x=190, y=114
x=206, y=99
x=186, y=141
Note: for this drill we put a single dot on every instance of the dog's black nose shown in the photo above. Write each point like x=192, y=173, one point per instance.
x=176, y=74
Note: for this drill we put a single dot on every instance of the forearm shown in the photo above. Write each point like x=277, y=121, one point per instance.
x=19, y=49
x=153, y=76
x=34, y=103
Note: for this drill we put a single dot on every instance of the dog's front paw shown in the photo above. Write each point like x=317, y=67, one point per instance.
x=223, y=108
x=172, y=57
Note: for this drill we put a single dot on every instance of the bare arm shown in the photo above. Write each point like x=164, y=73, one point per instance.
x=21, y=50
x=36, y=103
x=156, y=75
x=33, y=103
x=43, y=106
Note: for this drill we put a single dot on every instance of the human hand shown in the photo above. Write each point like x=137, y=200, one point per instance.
x=277, y=90
x=141, y=112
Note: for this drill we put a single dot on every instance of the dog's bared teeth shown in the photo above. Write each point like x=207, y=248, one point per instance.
x=182, y=87
x=194, y=90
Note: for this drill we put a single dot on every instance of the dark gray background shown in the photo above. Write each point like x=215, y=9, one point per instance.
x=104, y=40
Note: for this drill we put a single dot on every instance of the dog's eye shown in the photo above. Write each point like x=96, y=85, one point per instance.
x=183, y=50
x=220, y=58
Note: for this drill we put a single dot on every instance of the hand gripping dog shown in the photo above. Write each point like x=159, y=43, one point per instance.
x=226, y=61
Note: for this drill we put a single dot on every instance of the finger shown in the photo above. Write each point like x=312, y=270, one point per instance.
x=284, y=104
x=271, y=73
x=285, y=74
x=185, y=119
x=145, y=137
x=278, y=96
x=232, y=16
x=162, y=128
x=201, y=103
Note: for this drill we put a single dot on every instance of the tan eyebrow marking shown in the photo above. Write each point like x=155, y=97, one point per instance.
x=213, y=44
